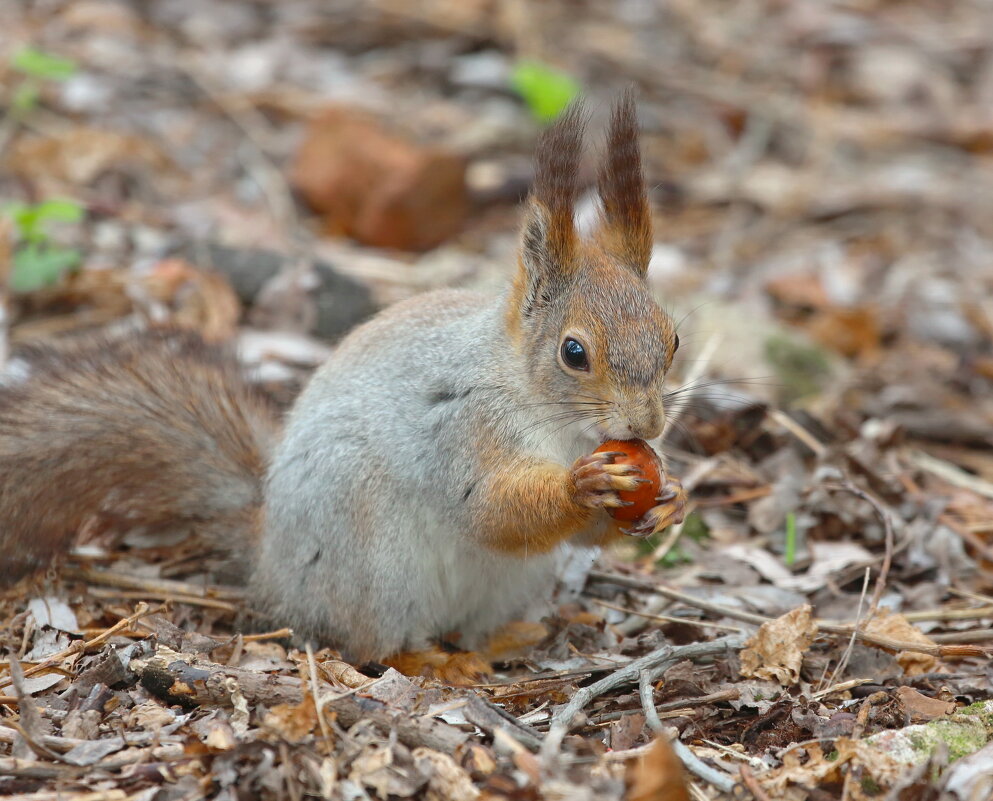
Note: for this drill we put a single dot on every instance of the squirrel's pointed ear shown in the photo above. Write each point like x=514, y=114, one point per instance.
x=625, y=228
x=549, y=242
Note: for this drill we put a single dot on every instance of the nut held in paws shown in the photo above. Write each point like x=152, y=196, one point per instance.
x=636, y=452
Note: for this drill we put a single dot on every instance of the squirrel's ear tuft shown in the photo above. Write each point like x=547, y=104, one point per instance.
x=625, y=229
x=549, y=242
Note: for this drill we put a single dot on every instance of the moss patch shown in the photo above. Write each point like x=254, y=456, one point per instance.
x=964, y=733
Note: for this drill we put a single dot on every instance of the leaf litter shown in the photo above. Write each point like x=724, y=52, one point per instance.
x=819, y=627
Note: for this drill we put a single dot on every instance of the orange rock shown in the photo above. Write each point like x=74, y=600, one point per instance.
x=378, y=187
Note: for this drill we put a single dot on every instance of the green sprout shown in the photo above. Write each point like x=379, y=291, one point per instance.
x=36, y=66
x=38, y=261
x=546, y=91
x=790, y=554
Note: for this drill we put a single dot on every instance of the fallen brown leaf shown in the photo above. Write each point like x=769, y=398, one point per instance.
x=775, y=651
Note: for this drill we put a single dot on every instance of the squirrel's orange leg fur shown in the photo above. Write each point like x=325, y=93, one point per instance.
x=671, y=509
x=469, y=667
x=514, y=639
x=531, y=507
x=460, y=667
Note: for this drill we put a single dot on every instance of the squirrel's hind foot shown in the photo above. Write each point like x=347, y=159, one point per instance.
x=461, y=668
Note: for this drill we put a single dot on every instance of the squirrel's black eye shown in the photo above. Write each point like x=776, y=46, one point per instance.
x=675, y=342
x=574, y=355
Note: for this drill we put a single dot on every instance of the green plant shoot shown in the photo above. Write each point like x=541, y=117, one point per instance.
x=547, y=91
x=38, y=261
x=790, y=554
x=36, y=66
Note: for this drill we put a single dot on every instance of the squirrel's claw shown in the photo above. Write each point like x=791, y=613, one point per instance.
x=597, y=480
x=671, y=510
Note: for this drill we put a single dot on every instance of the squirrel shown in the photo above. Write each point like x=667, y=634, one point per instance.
x=431, y=469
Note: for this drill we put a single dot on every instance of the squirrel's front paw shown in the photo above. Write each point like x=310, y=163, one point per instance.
x=671, y=509
x=597, y=480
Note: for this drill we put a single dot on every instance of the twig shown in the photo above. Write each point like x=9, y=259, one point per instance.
x=109, y=578
x=944, y=651
x=840, y=688
x=667, y=618
x=683, y=706
x=77, y=647
x=655, y=662
x=325, y=729
x=840, y=668
x=671, y=538
x=681, y=597
x=690, y=761
x=955, y=476
x=269, y=635
x=752, y=784
x=798, y=431
x=976, y=635
x=189, y=600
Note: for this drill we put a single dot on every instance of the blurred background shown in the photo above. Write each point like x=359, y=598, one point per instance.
x=271, y=173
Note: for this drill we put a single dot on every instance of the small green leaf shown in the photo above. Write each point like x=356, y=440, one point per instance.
x=32, y=221
x=547, y=91
x=39, y=64
x=58, y=210
x=790, y=554
x=36, y=267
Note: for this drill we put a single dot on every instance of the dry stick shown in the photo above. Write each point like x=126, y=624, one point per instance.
x=667, y=618
x=840, y=668
x=748, y=779
x=318, y=706
x=140, y=611
x=109, y=578
x=955, y=651
x=798, y=431
x=690, y=761
x=976, y=635
x=189, y=600
x=656, y=662
x=680, y=705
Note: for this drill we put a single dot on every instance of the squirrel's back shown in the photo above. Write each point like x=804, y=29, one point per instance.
x=154, y=429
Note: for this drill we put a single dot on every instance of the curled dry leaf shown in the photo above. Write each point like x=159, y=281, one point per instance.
x=658, y=775
x=199, y=300
x=293, y=722
x=921, y=707
x=896, y=627
x=446, y=780
x=775, y=651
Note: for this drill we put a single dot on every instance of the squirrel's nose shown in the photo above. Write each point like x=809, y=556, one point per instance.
x=648, y=424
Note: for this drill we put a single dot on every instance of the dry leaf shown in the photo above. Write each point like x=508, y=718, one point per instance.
x=896, y=627
x=293, y=722
x=920, y=707
x=446, y=780
x=658, y=775
x=199, y=300
x=775, y=651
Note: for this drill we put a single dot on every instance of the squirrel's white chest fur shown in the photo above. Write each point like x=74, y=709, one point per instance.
x=365, y=508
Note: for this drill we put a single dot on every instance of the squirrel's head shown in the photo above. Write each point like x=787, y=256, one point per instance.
x=581, y=311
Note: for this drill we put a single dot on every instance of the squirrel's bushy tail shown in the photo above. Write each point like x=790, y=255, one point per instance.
x=157, y=429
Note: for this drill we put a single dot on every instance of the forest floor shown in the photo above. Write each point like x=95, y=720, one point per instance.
x=821, y=625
